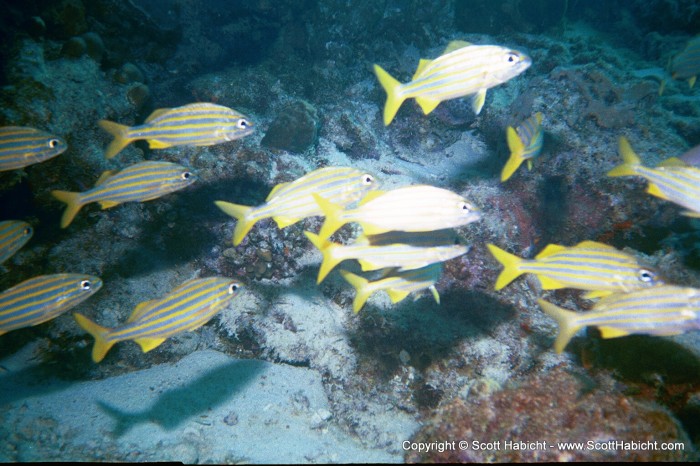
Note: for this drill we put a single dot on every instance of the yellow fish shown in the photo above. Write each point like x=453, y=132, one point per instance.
x=13, y=235
x=589, y=265
x=673, y=180
x=661, y=310
x=21, y=146
x=418, y=208
x=201, y=124
x=525, y=143
x=463, y=69
x=140, y=182
x=186, y=308
x=290, y=202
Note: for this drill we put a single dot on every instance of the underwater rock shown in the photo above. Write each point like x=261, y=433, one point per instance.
x=95, y=46
x=551, y=408
x=128, y=73
x=66, y=19
x=352, y=138
x=75, y=47
x=138, y=95
x=294, y=129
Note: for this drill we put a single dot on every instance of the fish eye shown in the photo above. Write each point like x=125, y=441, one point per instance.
x=367, y=179
x=53, y=143
x=85, y=285
x=242, y=124
x=646, y=275
x=233, y=287
x=512, y=57
x=186, y=175
x=465, y=207
x=27, y=231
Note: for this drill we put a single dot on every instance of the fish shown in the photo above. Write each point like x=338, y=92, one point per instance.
x=596, y=267
x=397, y=284
x=143, y=181
x=662, y=310
x=686, y=65
x=417, y=208
x=43, y=298
x=672, y=180
x=291, y=202
x=463, y=69
x=198, y=124
x=525, y=143
x=13, y=235
x=187, y=307
x=406, y=255
x=22, y=146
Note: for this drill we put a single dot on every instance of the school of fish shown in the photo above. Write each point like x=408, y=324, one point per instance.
x=406, y=235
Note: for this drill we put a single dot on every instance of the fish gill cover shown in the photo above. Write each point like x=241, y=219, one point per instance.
x=407, y=343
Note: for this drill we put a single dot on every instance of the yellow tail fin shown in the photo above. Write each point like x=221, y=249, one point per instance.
x=240, y=213
x=392, y=87
x=73, y=205
x=630, y=160
x=102, y=346
x=511, y=266
x=121, y=140
x=515, y=144
x=567, y=320
x=332, y=213
x=360, y=285
x=326, y=248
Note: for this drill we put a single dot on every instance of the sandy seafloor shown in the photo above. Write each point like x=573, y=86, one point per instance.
x=288, y=373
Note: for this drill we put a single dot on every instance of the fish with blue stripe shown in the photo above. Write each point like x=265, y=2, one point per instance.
x=463, y=69
x=663, y=310
x=410, y=251
x=186, y=308
x=418, y=208
x=13, y=235
x=686, y=65
x=43, y=298
x=291, y=202
x=596, y=267
x=143, y=181
x=672, y=180
x=398, y=285
x=22, y=146
x=525, y=143
x=200, y=124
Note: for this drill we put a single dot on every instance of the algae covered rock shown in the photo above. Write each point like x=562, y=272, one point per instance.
x=295, y=128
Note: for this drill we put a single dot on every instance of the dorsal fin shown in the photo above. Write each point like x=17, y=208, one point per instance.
x=103, y=177
x=673, y=162
x=139, y=310
x=594, y=245
x=422, y=63
x=156, y=113
x=550, y=250
x=454, y=45
x=275, y=189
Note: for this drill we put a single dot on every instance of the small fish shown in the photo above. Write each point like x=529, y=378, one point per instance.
x=686, y=65
x=13, y=235
x=43, y=298
x=21, y=146
x=672, y=180
x=398, y=285
x=201, y=124
x=428, y=248
x=662, y=310
x=417, y=208
x=589, y=265
x=525, y=143
x=463, y=69
x=186, y=308
x=290, y=202
x=140, y=182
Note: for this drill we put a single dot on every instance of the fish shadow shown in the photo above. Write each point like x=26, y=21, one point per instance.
x=176, y=406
